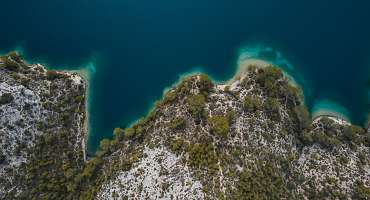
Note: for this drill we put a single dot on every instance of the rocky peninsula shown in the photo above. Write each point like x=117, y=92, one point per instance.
x=251, y=138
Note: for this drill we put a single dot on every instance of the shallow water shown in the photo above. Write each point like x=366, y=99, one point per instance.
x=136, y=48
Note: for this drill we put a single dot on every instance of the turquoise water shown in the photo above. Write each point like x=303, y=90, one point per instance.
x=135, y=48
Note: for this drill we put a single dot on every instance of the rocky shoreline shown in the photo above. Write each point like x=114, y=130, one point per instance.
x=250, y=138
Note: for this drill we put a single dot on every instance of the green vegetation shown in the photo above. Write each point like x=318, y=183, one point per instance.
x=129, y=132
x=219, y=125
x=52, y=178
x=118, y=134
x=353, y=133
x=272, y=107
x=273, y=82
x=104, y=146
x=202, y=155
x=196, y=105
x=261, y=181
x=333, y=136
x=362, y=192
x=303, y=117
x=178, y=123
x=12, y=61
x=6, y=98
x=252, y=103
x=205, y=84
x=267, y=78
x=9, y=63
x=231, y=115
x=177, y=145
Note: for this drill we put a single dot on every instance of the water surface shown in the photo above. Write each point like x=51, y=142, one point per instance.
x=136, y=48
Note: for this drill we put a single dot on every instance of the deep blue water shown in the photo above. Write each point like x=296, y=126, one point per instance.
x=140, y=47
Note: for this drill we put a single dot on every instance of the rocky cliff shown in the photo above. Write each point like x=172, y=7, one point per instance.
x=42, y=127
x=251, y=138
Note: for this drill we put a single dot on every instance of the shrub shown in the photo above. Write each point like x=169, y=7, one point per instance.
x=303, y=117
x=9, y=63
x=196, y=105
x=118, y=134
x=325, y=140
x=231, y=115
x=203, y=155
x=219, y=125
x=272, y=106
x=306, y=137
x=361, y=191
x=129, y=132
x=267, y=78
x=6, y=98
x=227, y=89
x=177, y=145
x=366, y=140
x=351, y=133
x=261, y=181
x=170, y=97
x=178, y=123
x=79, y=98
x=15, y=56
x=252, y=103
x=91, y=166
x=205, y=84
x=104, y=146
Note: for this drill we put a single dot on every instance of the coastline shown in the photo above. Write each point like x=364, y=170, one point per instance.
x=240, y=69
x=323, y=108
x=85, y=73
x=330, y=109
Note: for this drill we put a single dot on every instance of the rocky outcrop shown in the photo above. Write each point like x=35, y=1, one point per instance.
x=37, y=106
x=251, y=138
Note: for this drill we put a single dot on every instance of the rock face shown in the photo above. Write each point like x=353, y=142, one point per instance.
x=36, y=107
x=249, y=139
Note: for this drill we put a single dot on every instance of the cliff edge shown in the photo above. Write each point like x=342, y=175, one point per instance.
x=42, y=134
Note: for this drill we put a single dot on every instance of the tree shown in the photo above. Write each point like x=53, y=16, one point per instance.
x=196, y=105
x=9, y=63
x=272, y=106
x=205, y=84
x=231, y=115
x=104, y=145
x=361, y=191
x=118, y=134
x=219, y=125
x=267, y=78
x=6, y=98
x=251, y=103
x=178, y=123
x=129, y=132
x=352, y=133
x=303, y=117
